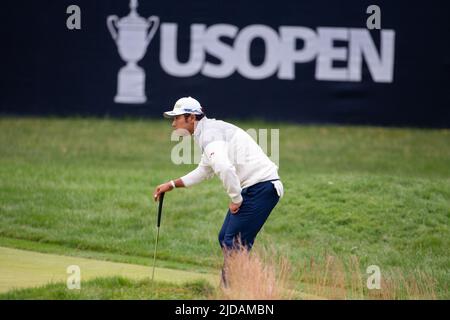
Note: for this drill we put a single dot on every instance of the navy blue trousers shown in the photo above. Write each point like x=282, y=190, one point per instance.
x=242, y=227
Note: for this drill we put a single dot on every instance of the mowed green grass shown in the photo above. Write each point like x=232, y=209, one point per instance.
x=85, y=185
x=24, y=269
x=115, y=288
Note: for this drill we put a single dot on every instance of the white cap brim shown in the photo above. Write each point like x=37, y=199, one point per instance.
x=171, y=114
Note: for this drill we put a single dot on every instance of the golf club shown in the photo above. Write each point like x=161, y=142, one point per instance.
x=158, y=223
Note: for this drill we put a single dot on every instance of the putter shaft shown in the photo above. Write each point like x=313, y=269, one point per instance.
x=158, y=224
x=154, y=253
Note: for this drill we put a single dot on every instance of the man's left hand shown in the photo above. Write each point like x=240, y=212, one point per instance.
x=234, y=207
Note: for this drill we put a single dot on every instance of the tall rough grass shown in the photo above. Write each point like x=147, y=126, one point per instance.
x=263, y=275
x=255, y=275
x=331, y=277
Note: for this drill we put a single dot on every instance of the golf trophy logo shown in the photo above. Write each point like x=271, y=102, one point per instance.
x=132, y=35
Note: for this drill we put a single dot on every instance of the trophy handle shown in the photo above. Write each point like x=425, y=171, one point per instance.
x=110, y=23
x=154, y=22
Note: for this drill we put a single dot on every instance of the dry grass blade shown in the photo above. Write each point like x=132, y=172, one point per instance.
x=255, y=276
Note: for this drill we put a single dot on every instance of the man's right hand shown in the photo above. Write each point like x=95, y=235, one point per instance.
x=165, y=187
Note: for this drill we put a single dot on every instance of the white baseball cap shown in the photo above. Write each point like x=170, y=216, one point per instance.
x=183, y=106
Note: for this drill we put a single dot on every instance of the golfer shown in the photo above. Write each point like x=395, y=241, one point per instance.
x=250, y=178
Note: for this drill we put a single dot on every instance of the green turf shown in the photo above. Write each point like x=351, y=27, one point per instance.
x=115, y=288
x=85, y=185
x=106, y=256
x=21, y=269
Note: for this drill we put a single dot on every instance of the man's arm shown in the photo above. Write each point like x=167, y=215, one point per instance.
x=168, y=186
x=217, y=154
x=202, y=172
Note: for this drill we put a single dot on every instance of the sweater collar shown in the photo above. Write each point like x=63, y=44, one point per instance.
x=199, y=128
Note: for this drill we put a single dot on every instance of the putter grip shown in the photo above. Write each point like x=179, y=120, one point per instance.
x=161, y=199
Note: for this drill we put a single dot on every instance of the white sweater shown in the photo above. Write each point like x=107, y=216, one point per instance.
x=231, y=154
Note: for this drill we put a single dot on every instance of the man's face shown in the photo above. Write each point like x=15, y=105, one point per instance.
x=184, y=125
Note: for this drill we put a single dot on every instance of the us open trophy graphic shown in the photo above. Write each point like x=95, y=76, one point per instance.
x=132, y=37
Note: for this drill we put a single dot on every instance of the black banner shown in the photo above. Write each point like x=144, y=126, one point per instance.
x=351, y=62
